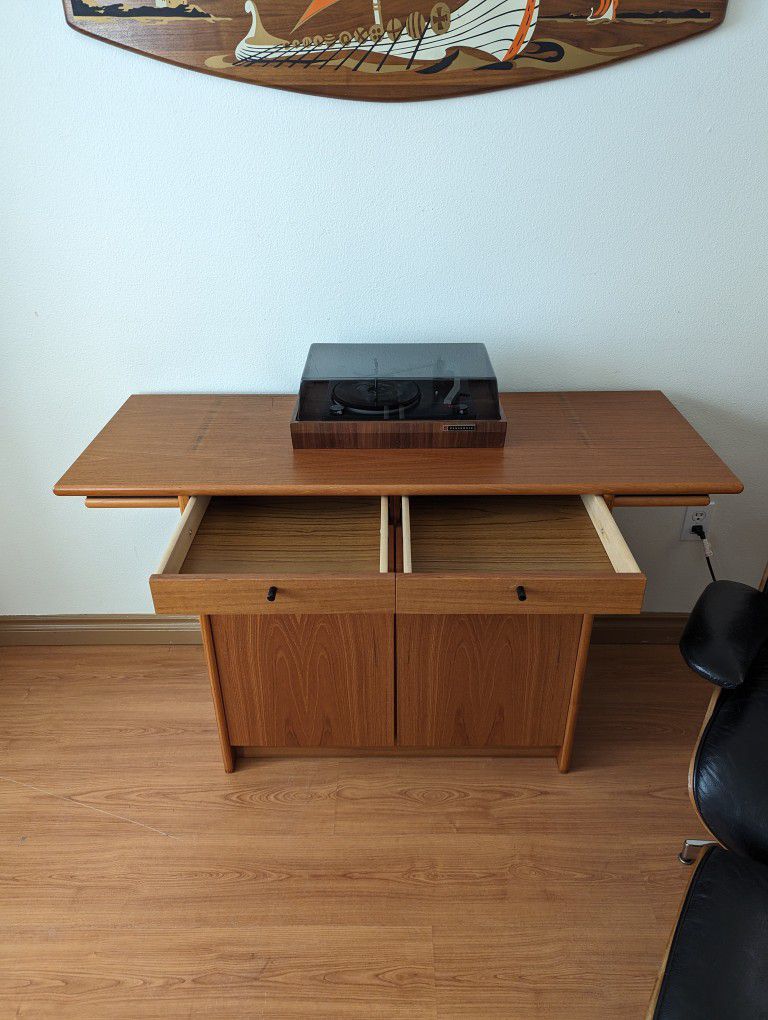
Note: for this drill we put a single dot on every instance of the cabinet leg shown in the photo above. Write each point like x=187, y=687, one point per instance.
x=227, y=753
x=566, y=749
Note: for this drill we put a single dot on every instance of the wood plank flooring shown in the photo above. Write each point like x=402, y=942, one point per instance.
x=138, y=880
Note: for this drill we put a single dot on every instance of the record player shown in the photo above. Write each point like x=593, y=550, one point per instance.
x=378, y=396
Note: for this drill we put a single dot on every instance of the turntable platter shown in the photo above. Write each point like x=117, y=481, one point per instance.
x=376, y=397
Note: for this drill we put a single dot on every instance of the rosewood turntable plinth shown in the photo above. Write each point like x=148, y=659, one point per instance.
x=398, y=396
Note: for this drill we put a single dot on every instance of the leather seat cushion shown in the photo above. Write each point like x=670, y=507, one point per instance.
x=718, y=962
x=725, y=631
x=730, y=778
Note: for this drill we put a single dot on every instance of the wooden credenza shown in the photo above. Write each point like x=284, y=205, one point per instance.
x=454, y=624
x=396, y=602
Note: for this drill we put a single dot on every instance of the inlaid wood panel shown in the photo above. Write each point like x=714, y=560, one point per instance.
x=322, y=680
x=238, y=444
x=398, y=50
x=484, y=681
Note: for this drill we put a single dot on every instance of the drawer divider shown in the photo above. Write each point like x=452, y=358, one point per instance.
x=614, y=543
x=384, y=536
x=183, y=535
x=406, y=520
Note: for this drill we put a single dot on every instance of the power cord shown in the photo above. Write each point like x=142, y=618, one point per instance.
x=698, y=529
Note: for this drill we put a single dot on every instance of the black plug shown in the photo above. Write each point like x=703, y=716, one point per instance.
x=698, y=530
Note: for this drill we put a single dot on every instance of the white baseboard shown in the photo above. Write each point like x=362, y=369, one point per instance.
x=148, y=629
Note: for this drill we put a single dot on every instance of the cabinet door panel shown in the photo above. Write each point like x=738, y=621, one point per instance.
x=322, y=680
x=484, y=681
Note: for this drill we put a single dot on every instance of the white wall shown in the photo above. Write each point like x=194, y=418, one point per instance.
x=163, y=230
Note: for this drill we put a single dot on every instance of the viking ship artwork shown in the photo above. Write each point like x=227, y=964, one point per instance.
x=393, y=49
x=498, y=30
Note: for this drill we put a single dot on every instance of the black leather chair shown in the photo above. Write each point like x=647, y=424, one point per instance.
x=717, y=962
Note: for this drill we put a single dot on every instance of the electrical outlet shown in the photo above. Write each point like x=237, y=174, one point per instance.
x=696, y=515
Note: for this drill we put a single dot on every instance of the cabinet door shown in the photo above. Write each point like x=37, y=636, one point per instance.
x=315, y=680
x=491, y=605
x=299, y=598
x=482, y=681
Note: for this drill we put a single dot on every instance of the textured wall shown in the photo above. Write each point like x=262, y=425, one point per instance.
x=164, y=230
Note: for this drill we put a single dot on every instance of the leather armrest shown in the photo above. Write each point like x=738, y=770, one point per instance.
x=725, y=631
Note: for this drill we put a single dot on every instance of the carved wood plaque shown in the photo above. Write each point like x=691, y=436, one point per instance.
x=393, y=49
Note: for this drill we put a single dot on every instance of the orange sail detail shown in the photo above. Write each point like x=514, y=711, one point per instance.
x=314, y=8
x=604, y=10
x=519, y=41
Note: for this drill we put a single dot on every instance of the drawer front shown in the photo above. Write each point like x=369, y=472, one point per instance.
x=204, y=594
x=498, y=593
x=515, y=556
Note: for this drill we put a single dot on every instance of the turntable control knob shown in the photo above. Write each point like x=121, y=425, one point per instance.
x=461, y=409
x=336, y=408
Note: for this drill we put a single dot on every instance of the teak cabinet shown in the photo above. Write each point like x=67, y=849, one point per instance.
x=446, y=624
x=456, y=621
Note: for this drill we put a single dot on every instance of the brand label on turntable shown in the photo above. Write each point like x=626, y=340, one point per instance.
x=459, y=428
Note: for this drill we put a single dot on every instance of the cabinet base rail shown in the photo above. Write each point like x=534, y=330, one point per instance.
x=396, y=752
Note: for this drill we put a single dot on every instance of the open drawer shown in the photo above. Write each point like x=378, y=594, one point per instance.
x=515, y=554
x=277, y=555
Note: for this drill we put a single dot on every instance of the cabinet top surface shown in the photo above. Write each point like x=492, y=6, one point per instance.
x=625, y=442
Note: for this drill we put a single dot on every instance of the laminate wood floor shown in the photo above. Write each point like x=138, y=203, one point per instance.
x=138, y=880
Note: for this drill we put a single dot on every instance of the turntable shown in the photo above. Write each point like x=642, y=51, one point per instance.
x=357, y=396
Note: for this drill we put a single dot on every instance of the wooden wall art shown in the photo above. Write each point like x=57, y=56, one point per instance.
x=393, y=49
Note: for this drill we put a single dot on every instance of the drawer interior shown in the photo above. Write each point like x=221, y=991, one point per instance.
x=504, y=534
x=293, y=535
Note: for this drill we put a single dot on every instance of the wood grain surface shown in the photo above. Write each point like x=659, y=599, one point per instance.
x=565, y=754
x=295, y=593
x=395, y=751
x=681, y=500
x=391, y=50
x=497, y=593
x=294, y=536
x=480, y=681
x=209, y=650
x=491, y=534
x=240, y=445
x=325, y=680
x=140, y=881
x=163, y=502
x=312, y=555
x=398, y=435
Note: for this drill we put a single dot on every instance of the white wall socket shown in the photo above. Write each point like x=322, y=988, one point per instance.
x=696, y=515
